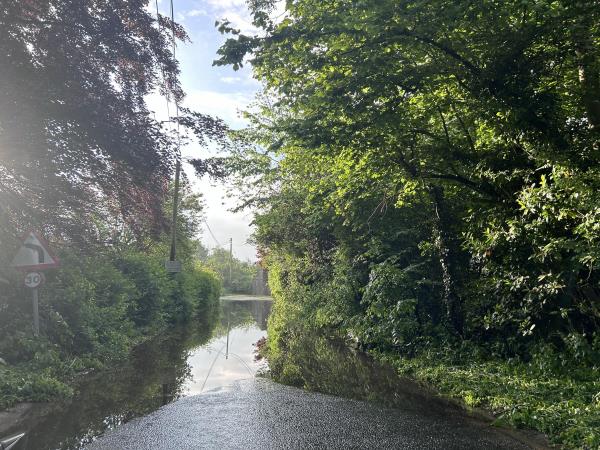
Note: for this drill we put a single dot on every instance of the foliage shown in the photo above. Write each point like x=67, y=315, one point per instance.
x=79, y=147
x=84, y=161
x=17, y=386
x=426, y=174
x=555, y=392
x=98, y=305
x=93, y=310
x=564, y=407
x=151, y=291
x=237, y=276
x=482, y=156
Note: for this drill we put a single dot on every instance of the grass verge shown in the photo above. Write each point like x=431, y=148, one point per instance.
x=563, y=407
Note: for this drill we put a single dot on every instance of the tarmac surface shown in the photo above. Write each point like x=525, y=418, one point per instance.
x=260, y=414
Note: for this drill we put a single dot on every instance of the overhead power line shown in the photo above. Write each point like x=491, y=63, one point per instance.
x=212, y=234
x=162, y=69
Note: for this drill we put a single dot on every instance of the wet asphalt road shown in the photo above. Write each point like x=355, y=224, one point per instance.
x=260, y=414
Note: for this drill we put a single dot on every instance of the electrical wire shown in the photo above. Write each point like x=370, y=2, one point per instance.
x=212, y=234
x=162, y=68
x=175, y=99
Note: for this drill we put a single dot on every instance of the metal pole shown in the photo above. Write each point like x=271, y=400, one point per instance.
x=230, y=259
x=36, y=312
x=175, y=206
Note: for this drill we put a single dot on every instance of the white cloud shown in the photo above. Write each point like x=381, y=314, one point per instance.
x=247, y=80
x=239, y=20
x=158, y=105
x=227, y=3
x=230, y=80
x=227, y=106
x=235, y=11
x=196, y=13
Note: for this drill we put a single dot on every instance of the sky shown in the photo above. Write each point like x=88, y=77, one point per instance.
x=220, y=92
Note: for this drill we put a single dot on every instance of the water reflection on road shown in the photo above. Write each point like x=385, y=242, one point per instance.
x=229, y=356
x=206, y=355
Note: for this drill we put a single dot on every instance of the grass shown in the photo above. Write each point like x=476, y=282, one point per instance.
x=17, y=385
x=563, y=407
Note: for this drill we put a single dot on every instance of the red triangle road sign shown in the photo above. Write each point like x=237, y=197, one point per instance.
x=34, y=254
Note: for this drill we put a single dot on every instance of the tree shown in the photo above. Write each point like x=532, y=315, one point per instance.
x=78, y=143
x=478, y=119
x=237, y=275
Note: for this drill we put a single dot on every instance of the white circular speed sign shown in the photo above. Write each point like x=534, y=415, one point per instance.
x=33, y=279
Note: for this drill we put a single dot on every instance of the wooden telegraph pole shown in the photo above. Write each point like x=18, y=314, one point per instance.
x=173, y=253
x=172, y=265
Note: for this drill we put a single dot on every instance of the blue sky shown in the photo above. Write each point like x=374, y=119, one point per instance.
x=219, y=91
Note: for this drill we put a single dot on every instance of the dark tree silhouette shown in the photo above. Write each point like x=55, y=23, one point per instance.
x=78, y=143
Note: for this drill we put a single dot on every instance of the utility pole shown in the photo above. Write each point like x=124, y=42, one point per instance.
x=172, y=265
x=175, y=206
x=230, y=259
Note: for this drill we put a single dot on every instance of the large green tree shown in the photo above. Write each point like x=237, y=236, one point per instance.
x=478, y=119
x=237, y=275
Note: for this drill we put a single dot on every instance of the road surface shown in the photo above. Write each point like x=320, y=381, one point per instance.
x=260, y=414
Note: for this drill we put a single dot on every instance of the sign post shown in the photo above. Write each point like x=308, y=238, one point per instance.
x=34, y=255
x=33, y=280
x=36, y=312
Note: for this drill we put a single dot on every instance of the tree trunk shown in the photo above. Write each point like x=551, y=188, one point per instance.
x=589, y=71
x=447, y=255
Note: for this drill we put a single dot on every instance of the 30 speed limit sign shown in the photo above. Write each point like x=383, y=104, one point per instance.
x=34, y=279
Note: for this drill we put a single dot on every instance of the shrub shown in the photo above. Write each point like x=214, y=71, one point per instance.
x=92, y=311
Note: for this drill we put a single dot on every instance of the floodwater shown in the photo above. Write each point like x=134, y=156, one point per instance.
x=133, y=405
x=261, y=414
x=188, y=361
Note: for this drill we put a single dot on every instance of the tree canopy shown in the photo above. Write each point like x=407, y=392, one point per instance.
x=78, y=143
x=237, y=275
x=448, y=147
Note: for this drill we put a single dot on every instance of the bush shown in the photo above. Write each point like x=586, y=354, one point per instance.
x=19, y=385
x=152, y=287
x=564, y=407
x=92, y=311
x=88, y=300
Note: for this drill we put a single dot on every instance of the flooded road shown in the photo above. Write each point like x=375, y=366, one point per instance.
x=189, y=360
x=230, y=355
x=197, y=388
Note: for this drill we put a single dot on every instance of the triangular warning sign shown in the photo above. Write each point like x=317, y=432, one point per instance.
x=34, y=254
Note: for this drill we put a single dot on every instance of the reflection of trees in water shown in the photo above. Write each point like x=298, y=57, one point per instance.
x=261, y=311
x=153, y=375
x=244, y=313
x=324, y=365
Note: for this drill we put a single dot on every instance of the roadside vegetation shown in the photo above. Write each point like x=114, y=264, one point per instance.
x=84, y=162
x=93, y=310
x=562, y=404
x=236, y=275
x=427, y=176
